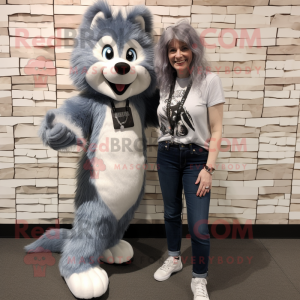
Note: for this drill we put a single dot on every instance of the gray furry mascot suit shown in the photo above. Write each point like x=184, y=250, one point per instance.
x=112, y=62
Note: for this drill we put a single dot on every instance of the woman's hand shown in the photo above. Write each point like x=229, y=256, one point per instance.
x=205, y=179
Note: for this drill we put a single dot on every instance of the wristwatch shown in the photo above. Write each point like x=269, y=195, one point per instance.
x=209, y=170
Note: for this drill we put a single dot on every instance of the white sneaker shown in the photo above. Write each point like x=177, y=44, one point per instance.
x=199, y=289
x=171, y=265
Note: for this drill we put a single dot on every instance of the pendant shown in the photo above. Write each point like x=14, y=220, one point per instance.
x=122, y=127
x=172, y=139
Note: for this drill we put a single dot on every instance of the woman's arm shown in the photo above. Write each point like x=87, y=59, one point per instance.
x=215, y=120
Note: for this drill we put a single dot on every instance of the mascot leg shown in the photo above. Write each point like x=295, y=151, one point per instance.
x=79, y=264
x=118, y=254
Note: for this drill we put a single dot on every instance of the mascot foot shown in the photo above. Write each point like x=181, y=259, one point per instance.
x=89, y=284
x=118, y=254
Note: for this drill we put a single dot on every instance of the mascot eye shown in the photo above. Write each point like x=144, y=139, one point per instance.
x=131, y=54
x=108, y=52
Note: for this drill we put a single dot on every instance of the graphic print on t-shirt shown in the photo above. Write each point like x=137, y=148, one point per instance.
x=184, y=122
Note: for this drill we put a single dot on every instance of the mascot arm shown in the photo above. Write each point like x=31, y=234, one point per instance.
x=68, y=125
x=151, y=118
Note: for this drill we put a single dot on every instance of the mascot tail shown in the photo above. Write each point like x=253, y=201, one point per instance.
x=52, y=240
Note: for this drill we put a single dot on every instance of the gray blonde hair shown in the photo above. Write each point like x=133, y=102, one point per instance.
x=183, y=32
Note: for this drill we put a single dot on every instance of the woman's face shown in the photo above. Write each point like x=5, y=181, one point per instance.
x=180, y=57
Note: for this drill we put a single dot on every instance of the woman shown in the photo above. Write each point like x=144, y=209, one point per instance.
x=190, y=117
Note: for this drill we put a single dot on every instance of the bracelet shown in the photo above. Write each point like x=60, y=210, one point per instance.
x=209, y=170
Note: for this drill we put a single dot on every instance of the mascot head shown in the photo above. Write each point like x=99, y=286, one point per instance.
x=113, y=55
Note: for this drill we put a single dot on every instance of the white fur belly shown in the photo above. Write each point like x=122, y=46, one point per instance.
x=120, y=181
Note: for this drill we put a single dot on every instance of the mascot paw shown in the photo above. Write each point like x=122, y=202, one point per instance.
x=89, y=284
x=118, y=254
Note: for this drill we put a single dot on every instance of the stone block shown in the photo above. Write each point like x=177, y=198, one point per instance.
x=248, y=84
x=23, y=102
x=223, y=18
x=30, y=208
x=291, y=65
x=46, y=52
x=23, y=130
x=288, y=33
x=29, y=1
x=66, y=208
x=50, y=208
x=37, y=9
x=6, y=110
x=294, y=215
x=12, y=62
x=231, y=2
x=35, y=215
x=4, y=40
x=180, y=11
x=5, y=84
x=277, y=94
x=46, y=182
x=283, y=80
x=9, y=154
x=269, y=102
x=6, y=143
x=31, y=111
x=69, y=9
x=169, y=2
x=9, y=216
x=235, y=10
x=35, y=95
x=271, y=10
x=35, y=190
x=201, y=18
x=7, y=173
x=32, y=25
x=246, y=20
x=9, y=72
x=21, y=32
x=173, y=20
x=274, y=171
x=137, y=2
x=7, y=193
x=287, y=41
x=295, y=11
x=160, y=10
x=67, y=21
x=241, y=57
x=280, y=2
x=50, y=95
x=284, y=50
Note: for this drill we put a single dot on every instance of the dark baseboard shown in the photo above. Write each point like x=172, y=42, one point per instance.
x=286, y=231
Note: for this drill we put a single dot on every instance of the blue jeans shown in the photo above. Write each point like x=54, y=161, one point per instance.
x=179, y=168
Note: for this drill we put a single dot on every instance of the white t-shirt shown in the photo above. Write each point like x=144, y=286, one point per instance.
x=193, y=121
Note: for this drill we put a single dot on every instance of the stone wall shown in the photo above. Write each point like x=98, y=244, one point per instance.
x=254, y=49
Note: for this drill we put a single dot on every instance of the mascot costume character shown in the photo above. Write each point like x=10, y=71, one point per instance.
x=112, y=67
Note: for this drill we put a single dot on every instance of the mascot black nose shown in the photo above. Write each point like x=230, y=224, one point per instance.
x=122, y=68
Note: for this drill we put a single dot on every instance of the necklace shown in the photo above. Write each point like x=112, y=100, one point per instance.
x=122, y=113
x=174, y=119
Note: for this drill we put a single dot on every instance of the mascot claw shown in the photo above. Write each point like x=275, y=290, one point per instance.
x=89, y=284
x=118, y=254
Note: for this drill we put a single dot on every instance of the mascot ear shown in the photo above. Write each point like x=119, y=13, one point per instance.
x=142, y=16
x=140, y=19
x=99, y=15
x=99, y=10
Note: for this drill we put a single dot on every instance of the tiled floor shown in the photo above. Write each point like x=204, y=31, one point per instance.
x=267, y=269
